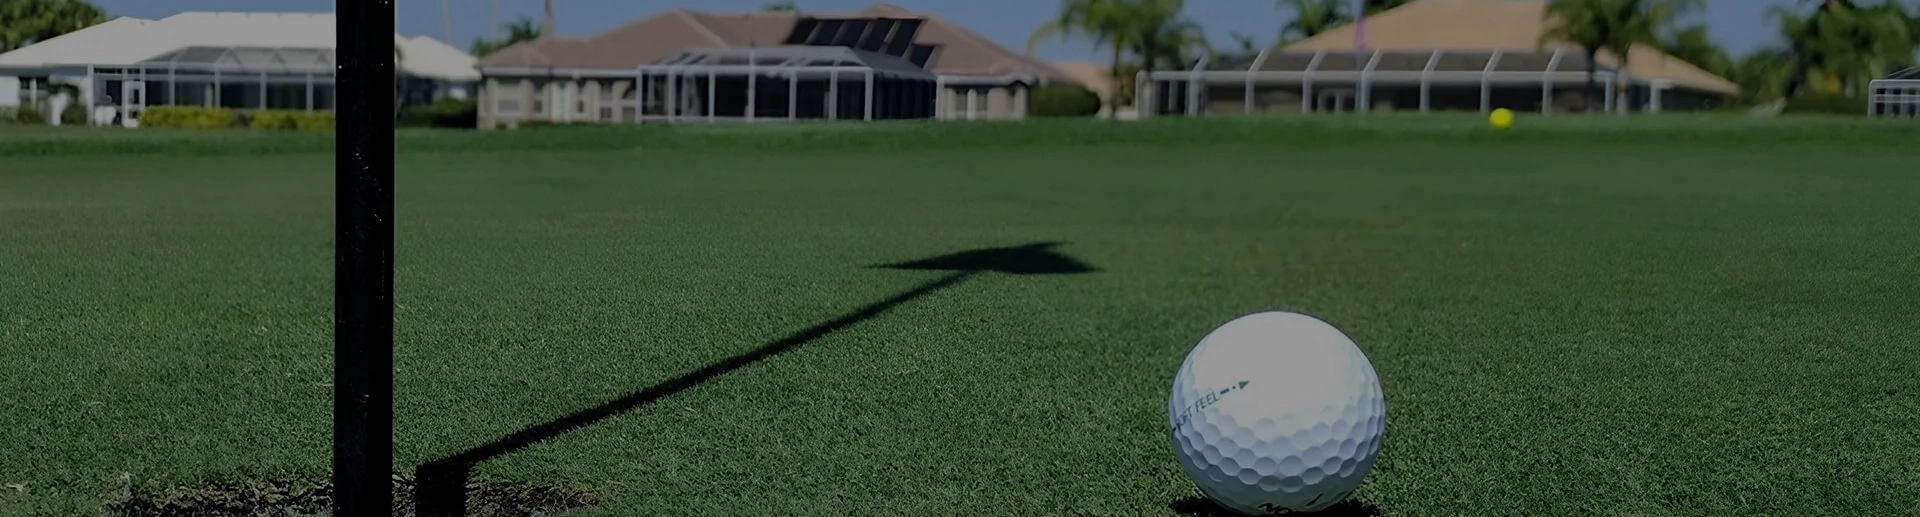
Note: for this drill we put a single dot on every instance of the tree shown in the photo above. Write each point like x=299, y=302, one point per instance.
x=1614, y=26
x=519, y=30
x=1151, y=30
x=1244, y=43
x=1843, y=44
x=1312, y=17
x=1109, y=23
x=1580, y=23
x=777, y=6
x=1762, y=74
x=1692, y=44
x=1165, y=39
x=1373, y=7
x=25, y=22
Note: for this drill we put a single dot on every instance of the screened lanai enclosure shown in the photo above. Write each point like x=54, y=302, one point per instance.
x=1274, y=81
x=792, y=82
x=1897, y=96
x=231, y=77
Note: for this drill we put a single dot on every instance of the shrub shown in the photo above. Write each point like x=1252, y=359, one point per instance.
x=271, y=120
x=24, y=115
x=75, y=114
x=538, y=123
x=1827, y=103
x=445, y=113
x=1062, y=100
x=188, y=117
x=289, y=120
x=315, y=121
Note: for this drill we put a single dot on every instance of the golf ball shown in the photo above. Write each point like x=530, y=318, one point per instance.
x=1276, y=413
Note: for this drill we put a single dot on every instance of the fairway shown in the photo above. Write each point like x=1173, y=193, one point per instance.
x=1560, y=327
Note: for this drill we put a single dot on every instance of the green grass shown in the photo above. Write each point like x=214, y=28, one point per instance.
x=1566, y=323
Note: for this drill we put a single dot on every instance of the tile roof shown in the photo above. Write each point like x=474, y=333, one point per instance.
x=959, y=51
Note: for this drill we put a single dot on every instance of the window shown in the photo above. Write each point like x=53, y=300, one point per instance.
x=606, y=92
x=540, y=92
x=606, y=113
x=506, y=106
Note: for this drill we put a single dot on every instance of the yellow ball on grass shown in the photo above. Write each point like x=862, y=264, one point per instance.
x=1501, y=118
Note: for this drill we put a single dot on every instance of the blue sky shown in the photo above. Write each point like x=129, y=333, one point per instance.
x=1741, y=25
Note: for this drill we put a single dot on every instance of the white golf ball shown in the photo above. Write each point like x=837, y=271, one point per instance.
x=1276, y=413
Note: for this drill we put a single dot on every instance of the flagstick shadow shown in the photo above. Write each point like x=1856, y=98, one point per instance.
x=441, y=484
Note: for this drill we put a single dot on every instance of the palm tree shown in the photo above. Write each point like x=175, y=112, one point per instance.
x=1580, y=23
x=1312, y=17
x=1244, y=43
x=1373, y=7
x=1692, y=44
x=1165, y=39
x=1615, y=26
x=1844, y=44
x=1762, y=73
x=519, y=30
x=1112, y=24
x=25, y=22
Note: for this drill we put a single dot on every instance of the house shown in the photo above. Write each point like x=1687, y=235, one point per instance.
x=433, y=70
x=1897, y=96
x=1437, y=55
x=879, y=62
x=241, y=60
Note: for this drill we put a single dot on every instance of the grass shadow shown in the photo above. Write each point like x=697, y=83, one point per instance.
x=441, y=487
x=1203, y=507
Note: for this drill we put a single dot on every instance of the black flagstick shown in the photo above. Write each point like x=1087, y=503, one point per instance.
x=363, y=258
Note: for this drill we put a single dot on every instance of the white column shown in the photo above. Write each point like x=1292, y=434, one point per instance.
x=710, y=96
x=869, y=92
x=753, y=76
x=793, y=95
x=1426, y=82
x=1486, y=83
x=640, y=97
x=833, y=95
x=1546, y=82
x=1364, y=103
x=1308, y=104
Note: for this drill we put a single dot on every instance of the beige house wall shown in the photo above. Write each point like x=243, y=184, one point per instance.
x=508, y=101
x=987, y=102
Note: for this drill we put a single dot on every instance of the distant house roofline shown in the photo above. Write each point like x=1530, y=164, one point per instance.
x=950, y=49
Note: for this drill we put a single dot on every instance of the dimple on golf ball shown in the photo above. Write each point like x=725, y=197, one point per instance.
x=1275, y=413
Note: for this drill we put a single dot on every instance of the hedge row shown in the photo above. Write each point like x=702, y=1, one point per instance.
x=1302, y=132
x=1824, y=103
x=446, y=113
x=73, y=115
x=194, y=117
